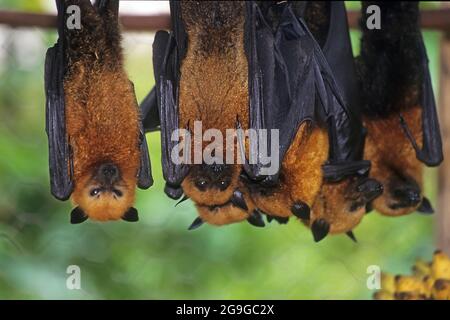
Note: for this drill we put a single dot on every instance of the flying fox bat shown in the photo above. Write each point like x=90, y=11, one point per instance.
x=97, y=147
x=341, y=205
x=399, y=110
x=285, y=83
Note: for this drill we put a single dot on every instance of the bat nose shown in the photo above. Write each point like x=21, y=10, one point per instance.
x=409, y=195
x=370, y=189
x=109, y=172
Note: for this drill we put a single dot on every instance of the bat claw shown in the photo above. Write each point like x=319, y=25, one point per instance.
x=351, y=235
x=196, y=223
x=185, y=197
x=238, y=200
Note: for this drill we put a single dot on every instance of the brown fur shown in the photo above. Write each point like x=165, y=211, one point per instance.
x=301, y=173
x=228, y=213
x=214, y=79
x=333, y=206
x=102, y=115
x=390, y=151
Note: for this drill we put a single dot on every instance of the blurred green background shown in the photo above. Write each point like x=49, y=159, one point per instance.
x=158, y=258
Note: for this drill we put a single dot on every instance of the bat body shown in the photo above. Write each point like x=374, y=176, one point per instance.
x=102, y=122
x=213, y=90
x=340, y=205
x=398, y=108
x=284, y=83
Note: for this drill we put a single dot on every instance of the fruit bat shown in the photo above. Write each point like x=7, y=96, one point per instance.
x=398, y=107
x=340, y=206
x=289, y=87
x=342, y=203
x=97, y=147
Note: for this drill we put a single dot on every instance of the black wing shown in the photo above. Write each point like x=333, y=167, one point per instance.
x=60, y=160
x=150, y=112
x=168, y=51
x=290, y=81
x=348, y=138
x=431, y=153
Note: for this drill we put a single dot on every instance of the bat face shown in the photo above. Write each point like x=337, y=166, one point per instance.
x=341, y=206
x=237, y=208
x=211, y=185
x=106, y=193
x=395, y=165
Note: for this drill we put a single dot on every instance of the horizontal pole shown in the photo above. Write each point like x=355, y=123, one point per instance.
x=438, y=19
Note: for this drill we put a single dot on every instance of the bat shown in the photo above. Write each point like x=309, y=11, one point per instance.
x=204, y=81
x=398, y=108
x=97, y=147
x=340, y=206
x=270, y=51
x=345, y=189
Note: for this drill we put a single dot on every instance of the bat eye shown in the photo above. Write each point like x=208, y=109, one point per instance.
x=224, y=184
x=201, y=184
x=118, y=192
x=95, y=192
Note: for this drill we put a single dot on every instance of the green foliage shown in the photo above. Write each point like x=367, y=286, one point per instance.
x=158, y=258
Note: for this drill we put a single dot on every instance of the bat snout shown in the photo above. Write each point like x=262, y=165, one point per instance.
x=108, y=174
x=406, y=196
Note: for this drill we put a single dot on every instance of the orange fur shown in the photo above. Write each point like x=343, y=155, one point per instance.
x=389, y=149
x=333, y=205
x=102, y=121
x=301, y=173
x=228, y=213
x=213, y=88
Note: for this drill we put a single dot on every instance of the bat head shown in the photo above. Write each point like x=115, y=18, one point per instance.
x=238, y=208
x=341, y=206
x=106, y=193
x=211, y=184
x=402, y=195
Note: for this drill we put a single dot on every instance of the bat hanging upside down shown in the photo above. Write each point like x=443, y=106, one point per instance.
x=102, y=132
x=218, y=84
x=399, y=109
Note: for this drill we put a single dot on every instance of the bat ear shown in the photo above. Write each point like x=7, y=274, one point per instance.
x=131, y=215
x=255, y=219
x=320, y=229
x=77, y=216
x=351, y=235
x=425, y=207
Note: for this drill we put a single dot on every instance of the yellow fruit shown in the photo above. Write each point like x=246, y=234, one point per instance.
x=409, y=284
x=387, y=282
x=440, y=267
x=421, y=268
x=409, y=296
x=441, y=289
x=383, y=295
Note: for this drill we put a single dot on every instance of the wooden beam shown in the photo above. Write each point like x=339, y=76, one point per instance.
x=443, y=214
x=438, y=19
